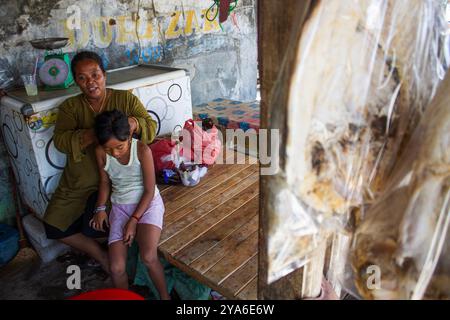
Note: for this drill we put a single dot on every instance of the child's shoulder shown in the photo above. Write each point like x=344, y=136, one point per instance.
x=142, y=148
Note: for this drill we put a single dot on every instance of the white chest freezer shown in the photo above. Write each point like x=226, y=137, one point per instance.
x=27, y=123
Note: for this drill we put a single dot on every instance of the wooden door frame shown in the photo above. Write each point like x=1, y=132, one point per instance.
x=276, y=33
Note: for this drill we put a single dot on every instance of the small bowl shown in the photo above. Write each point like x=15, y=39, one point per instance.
x=49, y=43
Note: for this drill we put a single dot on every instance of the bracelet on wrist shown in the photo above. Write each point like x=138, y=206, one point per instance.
x=137, y=219
x=100, y=208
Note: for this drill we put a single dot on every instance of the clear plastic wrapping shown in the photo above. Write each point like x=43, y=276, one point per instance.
x=406, y=232
x=360, y=79
x=6, y=79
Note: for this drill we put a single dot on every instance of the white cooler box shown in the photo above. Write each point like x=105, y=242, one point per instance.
x=27, y=124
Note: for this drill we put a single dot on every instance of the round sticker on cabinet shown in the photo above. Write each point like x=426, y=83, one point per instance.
x=157, y=119
x=18, y=121
x=10, y=141
x=174, y=93
x=55, y=158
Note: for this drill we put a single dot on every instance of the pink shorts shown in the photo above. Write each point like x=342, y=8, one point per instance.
x=121, y=213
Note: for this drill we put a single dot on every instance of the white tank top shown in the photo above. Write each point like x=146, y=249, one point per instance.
x=126, y=179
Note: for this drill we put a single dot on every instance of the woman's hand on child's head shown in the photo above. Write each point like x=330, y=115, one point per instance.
x=99, y=219
x=129, y=232
x=88, y=138
x=132, y=121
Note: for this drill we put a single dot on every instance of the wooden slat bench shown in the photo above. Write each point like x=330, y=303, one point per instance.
x=211, y=230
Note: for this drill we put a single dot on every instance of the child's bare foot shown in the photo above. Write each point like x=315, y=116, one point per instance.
x=166, y=297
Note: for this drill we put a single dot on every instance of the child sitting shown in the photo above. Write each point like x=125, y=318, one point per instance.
x=137, y=207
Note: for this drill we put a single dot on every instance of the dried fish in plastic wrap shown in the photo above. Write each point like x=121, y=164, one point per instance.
x=362, y=84
x=406, y=233
x=362, y=74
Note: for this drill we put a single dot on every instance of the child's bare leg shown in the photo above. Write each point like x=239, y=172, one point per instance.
x=118, y=259
x=148, y=238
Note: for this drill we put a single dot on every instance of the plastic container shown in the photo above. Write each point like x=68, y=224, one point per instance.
x=47, y=249
x=191, y=174
x=9, y=243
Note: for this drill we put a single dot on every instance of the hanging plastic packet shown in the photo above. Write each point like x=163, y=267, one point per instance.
x=402, y=248
x=354, y=86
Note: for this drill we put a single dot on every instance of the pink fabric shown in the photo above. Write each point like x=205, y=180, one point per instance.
x=204, y=146
x=121, y=213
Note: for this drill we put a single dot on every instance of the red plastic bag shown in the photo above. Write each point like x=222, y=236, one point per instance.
x=203, y=147
x=163, y=151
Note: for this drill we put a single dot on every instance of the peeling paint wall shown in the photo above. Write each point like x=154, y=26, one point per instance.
x=222, y=63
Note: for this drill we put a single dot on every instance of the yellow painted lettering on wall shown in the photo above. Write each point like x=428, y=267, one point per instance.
x=209, y=26
x=125, y=30
x=191, y=23
x=102, y=32
x=174, y=31
x=145, y=29
x=78, y=38
x=69, y=33
x=103, y=35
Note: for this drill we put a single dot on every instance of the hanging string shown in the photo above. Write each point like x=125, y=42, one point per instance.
x=137, y=32
x=216, y=3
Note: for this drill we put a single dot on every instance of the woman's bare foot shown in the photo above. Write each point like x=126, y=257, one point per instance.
x=104, y=263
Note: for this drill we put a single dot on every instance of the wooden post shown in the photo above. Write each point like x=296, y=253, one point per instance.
x=278, y=30
x=337, y=258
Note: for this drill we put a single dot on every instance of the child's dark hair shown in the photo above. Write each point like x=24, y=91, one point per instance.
x=86, y=55
x=111, y=124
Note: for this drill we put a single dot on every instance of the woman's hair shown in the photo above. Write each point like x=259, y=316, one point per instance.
x=111, y=124
x=86, y=55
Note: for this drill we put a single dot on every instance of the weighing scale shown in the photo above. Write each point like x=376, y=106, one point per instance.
x=55, y=73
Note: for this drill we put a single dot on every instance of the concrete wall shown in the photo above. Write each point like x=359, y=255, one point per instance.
x=171, y=32
x=222, y=61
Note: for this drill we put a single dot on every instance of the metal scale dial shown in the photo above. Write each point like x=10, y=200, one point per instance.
x=55, y=73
